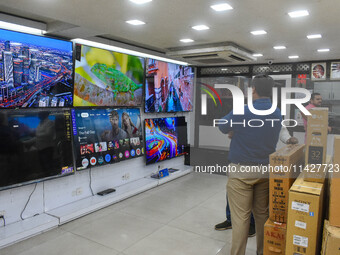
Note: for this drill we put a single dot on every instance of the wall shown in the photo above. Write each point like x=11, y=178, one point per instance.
x=54, y=193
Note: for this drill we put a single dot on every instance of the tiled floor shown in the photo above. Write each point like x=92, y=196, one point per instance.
x=175, y=218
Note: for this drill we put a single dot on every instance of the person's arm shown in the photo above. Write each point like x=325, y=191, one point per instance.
x=225, y=127
x=286, y=138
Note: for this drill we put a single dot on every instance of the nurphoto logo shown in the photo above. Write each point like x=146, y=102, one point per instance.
x=238, y=104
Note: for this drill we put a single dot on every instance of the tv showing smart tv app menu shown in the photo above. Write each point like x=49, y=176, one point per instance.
x=168, y=87
x=35, y=71
x=106, y=136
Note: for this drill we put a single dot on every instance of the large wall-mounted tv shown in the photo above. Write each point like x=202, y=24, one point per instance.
x=168, y=87
x=34, y=144
x=35, y=71
x=106, y=136
x=165, y=138
x=106, y=78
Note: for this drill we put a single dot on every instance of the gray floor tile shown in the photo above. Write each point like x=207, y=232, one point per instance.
x=117, y=230
x=170, y=241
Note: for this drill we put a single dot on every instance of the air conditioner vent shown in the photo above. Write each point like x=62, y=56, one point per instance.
x=236, y=58
x=201, y=56
x=213, y=61
x=213, y=54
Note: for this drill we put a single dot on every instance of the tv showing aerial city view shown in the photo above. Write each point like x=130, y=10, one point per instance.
x=35, y=71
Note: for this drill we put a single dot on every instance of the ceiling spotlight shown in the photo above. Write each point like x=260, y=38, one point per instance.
x=258, y=32
x=279, y=47
x=187, y=40
x=135, y=22
x=140, y=1
x=221, y=7
x=297, y=14
x=200, y=27
x=314, y=36
x=257, y=55
x=292, y=57
x=323, y=50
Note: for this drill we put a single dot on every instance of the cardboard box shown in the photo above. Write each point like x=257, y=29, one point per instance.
x=334, y=204
x=317, y=172
x=281, y=180
x=331, y=240
x=305, y=214
x=316, y=139
x=274, y=238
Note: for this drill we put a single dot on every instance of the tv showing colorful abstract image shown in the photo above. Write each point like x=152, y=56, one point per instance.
x=107, y=78
x=35, y=71
x=165, y=138
x=106, y=136
x=168, y=87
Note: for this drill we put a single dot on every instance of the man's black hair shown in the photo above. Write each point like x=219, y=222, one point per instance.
x=263, y=85
x=314, y=94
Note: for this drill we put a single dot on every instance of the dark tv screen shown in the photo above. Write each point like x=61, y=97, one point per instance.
x=35, y=71
x=165, y=138
x=34, y=144
x=168, y=87
x=106, y=136
x=107, y=78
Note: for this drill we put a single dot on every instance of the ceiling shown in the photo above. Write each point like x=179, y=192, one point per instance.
x=168, y=21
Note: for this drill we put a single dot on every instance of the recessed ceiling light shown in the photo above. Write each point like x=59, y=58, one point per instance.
x=297, y=14
x=292, y=57
x=140, y=1
x=279, y=47
x=187, y=40
x=314, y=36
x=257, y=55
x=258, y=32
x=323, y=50
x=200, y=27
x=135, y=22
x=221, y=7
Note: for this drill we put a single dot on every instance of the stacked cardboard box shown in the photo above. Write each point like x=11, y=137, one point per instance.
x=331, y=240
x=316, y=144
x=334, y=204
x=288, y=158
x=305, y=214
x=274, y=238
x=285, y=165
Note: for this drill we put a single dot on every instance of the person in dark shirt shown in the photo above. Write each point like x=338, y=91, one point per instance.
x=251, y=147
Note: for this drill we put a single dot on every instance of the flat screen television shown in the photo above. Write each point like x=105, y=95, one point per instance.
x=165, y=138
x=35, y=71
x=35, y=144
x=168, y=87
x=107, y=78
x=106, y=136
